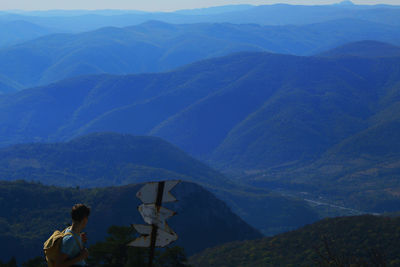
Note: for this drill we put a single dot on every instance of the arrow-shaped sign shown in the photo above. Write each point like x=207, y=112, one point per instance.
x=155, y=215
x=148, y=193
x=146, y=229
x=163, y=237
x=142, y=229
x=157, y=234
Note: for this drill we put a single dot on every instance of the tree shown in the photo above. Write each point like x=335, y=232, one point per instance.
x=173, y=257
x=11, y=263
x=114, y=252
x=329, y=257
x=35, y=262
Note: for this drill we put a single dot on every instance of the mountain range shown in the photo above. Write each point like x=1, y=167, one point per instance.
x=279, y=14
x=368, y=49
x=272, y=116
x=252, y=112
x=157, y=46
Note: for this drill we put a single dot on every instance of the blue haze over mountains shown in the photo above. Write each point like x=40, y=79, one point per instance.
x=280, y=14
x=247, y=111
x=305, y=104
x=302, y=30
x=156, y=46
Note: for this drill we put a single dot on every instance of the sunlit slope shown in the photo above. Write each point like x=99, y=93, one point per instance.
x=30, y=212
x=347, y=240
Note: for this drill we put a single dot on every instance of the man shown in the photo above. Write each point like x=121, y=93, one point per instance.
x=73, y=252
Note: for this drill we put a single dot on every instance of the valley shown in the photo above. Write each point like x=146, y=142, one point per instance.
x=282, y=121
x=239, y=97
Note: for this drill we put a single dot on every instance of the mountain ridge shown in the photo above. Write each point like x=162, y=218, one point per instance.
x=121, y=151
x=248, y=112
x=368, y=48
x=111, y=159
x=264, y=14
x=158, y=46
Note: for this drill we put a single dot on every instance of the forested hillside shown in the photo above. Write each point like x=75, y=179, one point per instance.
x=369, y=49
x=266, y=114
x=104, y=159
x=30, y=212
x=277, y=120
x=346, y=241
x=110, y=159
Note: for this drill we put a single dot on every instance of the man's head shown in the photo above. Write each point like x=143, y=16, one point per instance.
x=80, y=213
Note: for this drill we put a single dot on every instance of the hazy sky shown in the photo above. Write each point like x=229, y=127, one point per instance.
x=157, y=5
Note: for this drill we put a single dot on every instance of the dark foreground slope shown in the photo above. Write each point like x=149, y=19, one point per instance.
x=31, y=211
x=110, y=159
x=362, y=241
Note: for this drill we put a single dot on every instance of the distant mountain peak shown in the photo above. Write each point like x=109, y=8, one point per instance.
x=346, y=3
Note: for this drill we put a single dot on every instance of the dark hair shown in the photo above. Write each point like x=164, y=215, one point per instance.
x=79, y=212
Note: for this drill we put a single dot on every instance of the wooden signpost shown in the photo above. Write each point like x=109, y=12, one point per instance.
x=157, y=233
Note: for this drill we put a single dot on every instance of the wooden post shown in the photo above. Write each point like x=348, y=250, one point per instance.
x=160, y=192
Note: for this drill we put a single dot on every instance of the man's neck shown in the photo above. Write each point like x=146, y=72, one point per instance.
x=76, y=228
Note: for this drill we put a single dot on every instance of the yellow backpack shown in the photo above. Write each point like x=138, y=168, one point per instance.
x=52, y=246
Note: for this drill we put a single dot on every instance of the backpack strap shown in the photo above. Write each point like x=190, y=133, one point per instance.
x=77, y=241
x=74, y=235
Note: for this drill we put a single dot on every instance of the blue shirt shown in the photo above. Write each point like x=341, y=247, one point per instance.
x=70, y=247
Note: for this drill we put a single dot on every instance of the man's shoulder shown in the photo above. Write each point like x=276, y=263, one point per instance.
x=68, y=237
x=68, y=244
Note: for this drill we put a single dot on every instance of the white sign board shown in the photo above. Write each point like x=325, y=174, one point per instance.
x=163, y=238
x=155, y=215
x=148, y=193
x=143, y=229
